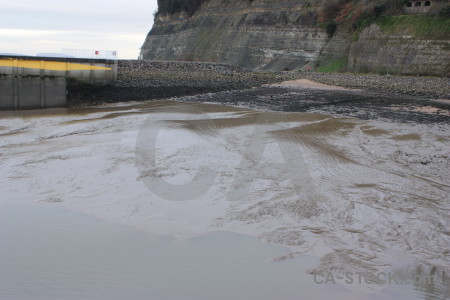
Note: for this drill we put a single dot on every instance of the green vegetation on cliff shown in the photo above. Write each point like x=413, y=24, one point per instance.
x=334, y=66
x=433, y=27
x=388, y=14
x=421, y=26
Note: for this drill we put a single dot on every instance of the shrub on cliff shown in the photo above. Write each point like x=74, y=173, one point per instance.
x=170, y=7
x=343, y=10
x=329, y=10
x=357, y=13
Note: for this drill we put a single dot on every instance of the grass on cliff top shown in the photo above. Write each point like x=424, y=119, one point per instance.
x=421, y=26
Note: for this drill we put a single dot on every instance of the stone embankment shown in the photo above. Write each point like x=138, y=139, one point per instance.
x=209, y=76
x=146, y=80
x=430, y=87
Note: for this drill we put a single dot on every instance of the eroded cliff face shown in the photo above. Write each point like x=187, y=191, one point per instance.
x=285, y=35
x=264, y=35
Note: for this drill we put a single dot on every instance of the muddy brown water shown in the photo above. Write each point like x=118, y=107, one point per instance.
x=293, y=196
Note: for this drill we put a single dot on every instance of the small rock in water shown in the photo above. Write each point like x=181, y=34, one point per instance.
x=53, y=200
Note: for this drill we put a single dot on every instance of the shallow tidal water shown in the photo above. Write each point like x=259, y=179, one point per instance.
x=167, y=200
x=51, y=253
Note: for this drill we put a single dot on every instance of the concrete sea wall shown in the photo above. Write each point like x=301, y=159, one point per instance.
x=34, y=82
x=32, y=92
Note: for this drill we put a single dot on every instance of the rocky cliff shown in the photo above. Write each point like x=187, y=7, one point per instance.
x=399, y=51
x=282, y=35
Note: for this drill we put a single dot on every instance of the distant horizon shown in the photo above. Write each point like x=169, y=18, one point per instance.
x=30, y=28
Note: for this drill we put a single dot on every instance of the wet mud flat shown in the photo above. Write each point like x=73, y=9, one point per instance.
x=359, y=195
x=362, y=104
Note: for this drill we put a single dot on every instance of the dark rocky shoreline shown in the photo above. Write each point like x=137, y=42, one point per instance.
x=147, y=80
x=429, y=87
x=365, y=105
x=393, y=97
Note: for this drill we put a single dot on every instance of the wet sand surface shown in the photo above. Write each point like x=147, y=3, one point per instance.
x=308, y=84
x=361, y=194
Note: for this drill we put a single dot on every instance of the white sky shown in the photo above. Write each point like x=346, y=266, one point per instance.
x=34, y=26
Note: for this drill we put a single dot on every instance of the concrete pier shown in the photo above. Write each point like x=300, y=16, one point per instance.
x=38, y=82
